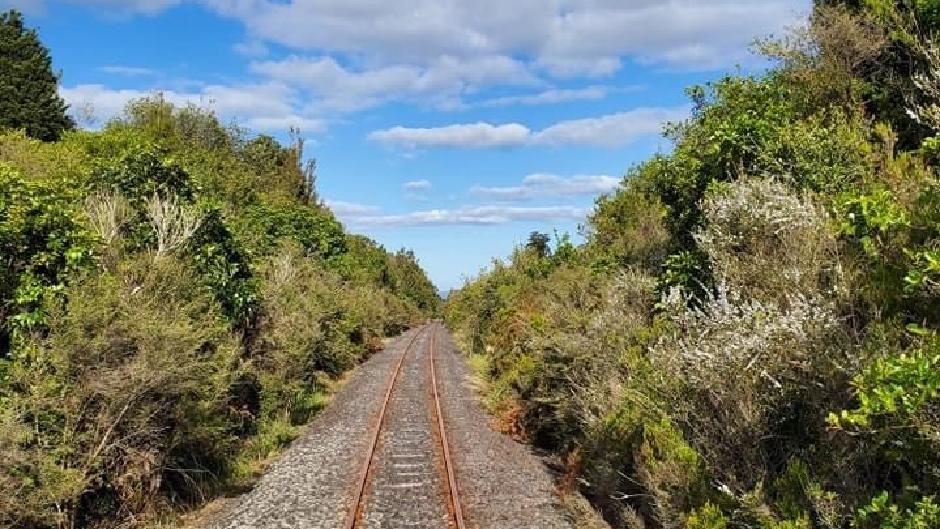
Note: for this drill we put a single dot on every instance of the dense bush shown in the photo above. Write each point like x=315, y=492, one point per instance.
x=747, y=339
x=42, y=240
x=174, y=306
x=121, y=401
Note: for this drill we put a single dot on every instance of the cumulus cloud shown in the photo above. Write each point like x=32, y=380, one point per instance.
x=257, y=106
x=444, y=80
x=612, y=130
x=253, y=48
x=417, y=185
x=550, y=185
x=550, y=96
x=469, y=215
x=466, y=136
x=343, y=208
x=566, y=67
x=566, y=37
x=356, y=54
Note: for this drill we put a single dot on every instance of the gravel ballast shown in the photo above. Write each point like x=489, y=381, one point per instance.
x=502, y=485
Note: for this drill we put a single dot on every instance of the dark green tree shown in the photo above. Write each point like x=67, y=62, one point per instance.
x=29, y=96
x=540, y=244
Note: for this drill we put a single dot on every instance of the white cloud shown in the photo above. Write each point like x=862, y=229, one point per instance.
x=417, y=185
x=566, y=37
x=356, y=54
x=128, y=71
x=440, y=82
x=551, y=96
x=612, y=130
x=253, y=48
x=565, y=67
x=467, y=136
x=550, y=185
x=149, y=7
x=473, y=215
x=112, y=7
x=342, y=208
x=258, y=106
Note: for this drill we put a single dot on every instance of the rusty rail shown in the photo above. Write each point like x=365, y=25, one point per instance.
x=355, y=510
x=454, y=493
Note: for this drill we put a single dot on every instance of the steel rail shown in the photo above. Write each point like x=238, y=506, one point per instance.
x=355, y=510
x=453, y=492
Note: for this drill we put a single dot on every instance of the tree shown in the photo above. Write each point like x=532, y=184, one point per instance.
x=539, y=242
x=29, y=96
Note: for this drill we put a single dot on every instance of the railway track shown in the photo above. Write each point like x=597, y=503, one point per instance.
x=381, y=456
x=407, y=478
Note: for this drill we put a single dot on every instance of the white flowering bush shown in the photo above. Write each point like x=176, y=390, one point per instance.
x=743, y=360
x=766, y=336
x=766, y=241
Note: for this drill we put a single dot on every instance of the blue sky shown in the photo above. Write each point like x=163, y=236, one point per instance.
x=452, y=127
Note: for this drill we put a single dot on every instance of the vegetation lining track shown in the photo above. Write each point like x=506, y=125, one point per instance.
x=355, y=509
x=453, y=492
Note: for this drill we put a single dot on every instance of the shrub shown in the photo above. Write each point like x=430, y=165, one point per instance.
x=162, y=339
x=42, y=241
x=755, y=221
x=882, y=513
x=265, y=226
x=305, y=327
x=744, y=361
x=706, y=517
x=122, y=401
x=628, y=227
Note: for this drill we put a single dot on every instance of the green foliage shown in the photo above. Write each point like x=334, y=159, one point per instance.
x=174, y=306
x=42, y=241
x=887, y=79
x=224, y=268
x=869, y=218
x=539, y=243
x=897, y=391
x=266, y=225
x=925, y=270
x=189, y=126
x=125, y=392
x=747, y=338
x=29, y=89
x=881, y=513
x=687, y=271
x=706, y=517
x=628, y=228
x=408, y=280
x=142, y=172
